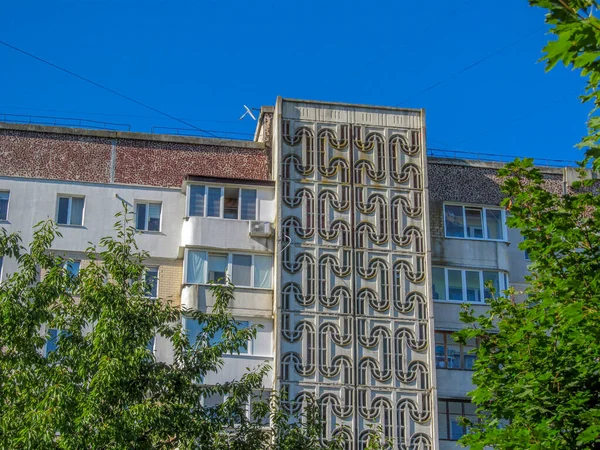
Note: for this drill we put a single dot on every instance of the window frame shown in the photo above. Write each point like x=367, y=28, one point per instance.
x=249, y=347
x=70, y=197
x=484, y=210
x=229, y=270
x=221, y=201
x=462, y=402
x=147, y=215
x=6, y=191
x=147, y=268
x=462, y=353
x=503, y=282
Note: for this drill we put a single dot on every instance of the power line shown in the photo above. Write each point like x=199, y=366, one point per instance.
x=470, y=66
x=87, y=80
x=113, y=115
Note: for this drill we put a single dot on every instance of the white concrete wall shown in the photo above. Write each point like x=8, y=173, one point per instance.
x=32, y=201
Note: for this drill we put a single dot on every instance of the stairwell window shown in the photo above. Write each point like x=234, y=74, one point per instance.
x=474, y=222
x=151, y=282
x=243, y=269
x=452, y=355
x=4, y=195
x=466, y=285
x=449, y=414
x=70, y=210
x=147, y=216
x=222, y=202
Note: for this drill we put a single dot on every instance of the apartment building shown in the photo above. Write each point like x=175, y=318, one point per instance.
x=351, y=247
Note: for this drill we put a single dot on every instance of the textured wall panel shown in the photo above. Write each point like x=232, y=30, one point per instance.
x=353, y=302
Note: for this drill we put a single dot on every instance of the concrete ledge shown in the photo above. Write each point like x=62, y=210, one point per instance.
x=107, y=134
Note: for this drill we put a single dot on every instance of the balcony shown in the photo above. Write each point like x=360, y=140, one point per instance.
x=222, y=233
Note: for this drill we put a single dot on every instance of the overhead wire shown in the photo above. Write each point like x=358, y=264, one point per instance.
x=471, y=65
x=87, y=80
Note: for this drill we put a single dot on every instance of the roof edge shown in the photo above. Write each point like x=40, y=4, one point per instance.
x=107, y=134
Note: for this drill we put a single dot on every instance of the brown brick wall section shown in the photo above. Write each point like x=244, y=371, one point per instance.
x=166, y=163
x=54, y=156
x=87, y=158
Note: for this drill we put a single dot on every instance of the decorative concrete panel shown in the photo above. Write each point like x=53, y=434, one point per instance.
x=353, y=303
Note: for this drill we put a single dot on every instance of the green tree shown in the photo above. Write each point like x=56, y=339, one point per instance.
x=102, y=386
x=537, y=373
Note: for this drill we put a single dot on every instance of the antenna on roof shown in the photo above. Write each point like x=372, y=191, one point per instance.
x=248, y=112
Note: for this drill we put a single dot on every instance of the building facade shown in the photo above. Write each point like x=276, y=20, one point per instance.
x=351, y=248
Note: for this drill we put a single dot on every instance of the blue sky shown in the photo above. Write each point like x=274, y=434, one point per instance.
x=202, y=60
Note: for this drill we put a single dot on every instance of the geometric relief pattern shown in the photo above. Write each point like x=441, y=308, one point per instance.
x=353, y=304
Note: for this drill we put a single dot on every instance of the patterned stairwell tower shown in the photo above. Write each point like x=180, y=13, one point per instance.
x=352, y=298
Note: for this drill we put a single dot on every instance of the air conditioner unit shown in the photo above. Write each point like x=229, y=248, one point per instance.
x=260, y=229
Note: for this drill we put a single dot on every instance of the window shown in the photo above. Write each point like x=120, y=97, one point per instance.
x=1, y=261
x=54, y=335
x=70, y=210
x=148, y=216
x=4, y=204
x=226, y=202
x=244, y=270
x=193, y=329
x=473, y=222
x=196, y=200
x=466, y=285
x=151, y=281
x=450, y=411
x=452, y=355
x=73, y=268
x=217, y=267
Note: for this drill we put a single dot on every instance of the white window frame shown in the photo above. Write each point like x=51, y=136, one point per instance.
x=70, y=197
x=483, y=222
x=502, y=280
x=229, y=271
x=8, y=205
x=221, y=201
x=157, y=279
x=148, y=203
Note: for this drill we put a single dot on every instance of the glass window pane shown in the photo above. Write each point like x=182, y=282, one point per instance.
x=192, y=329
x=196, y=201
x=73, y=268
x=443, y=424
x=495, y=228
x=241, y=270
x=77, y=211
x=230, y=203
x=263, y=269
x=454, y=221
x=214, y=400
x=473, y=286
x=243, y=324
x=439, y=283
x=248, y=209
x=63, y=210
x=474, y=223
x=469, y=358
x=154, y=216
x=217, y=338
x=213, y=206
x=150, y=345
x=440, y=351
x=3, y=205
x=456, y=430
x=52, y=341
x=455, y=407
x=140, y=216
x=152, y=282
x=494, y=277
x=455, y=291
x=196, y=263
x=217, y=268
x=453, y=350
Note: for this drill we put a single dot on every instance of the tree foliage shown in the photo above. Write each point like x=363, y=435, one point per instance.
x=102, y=386
x=538, y=366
